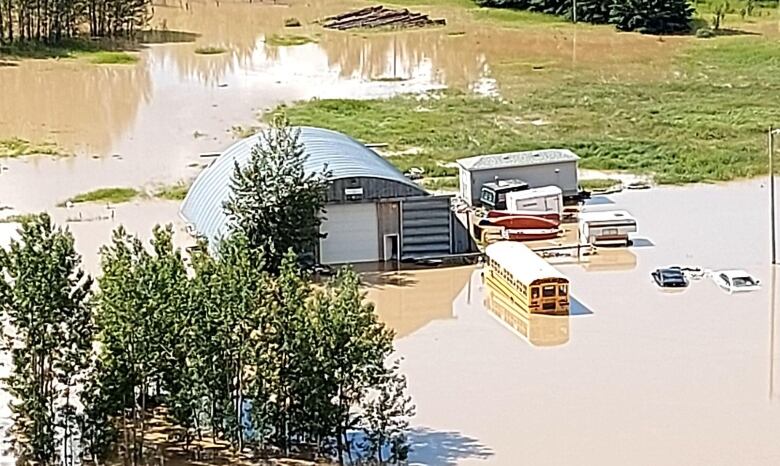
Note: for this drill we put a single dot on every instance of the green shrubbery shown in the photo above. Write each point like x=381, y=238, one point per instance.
x=647, y=16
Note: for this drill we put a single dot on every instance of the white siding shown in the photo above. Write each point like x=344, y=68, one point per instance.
x=535, y=175
x=352, y=234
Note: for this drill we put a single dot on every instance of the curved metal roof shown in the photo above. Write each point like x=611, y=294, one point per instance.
x=343, y=156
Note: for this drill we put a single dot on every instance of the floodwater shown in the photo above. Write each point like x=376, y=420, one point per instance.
x=145, y=124
x=635, y=375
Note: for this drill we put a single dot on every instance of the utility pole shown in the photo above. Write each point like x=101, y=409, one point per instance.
x=772, y=221
x=574, y=10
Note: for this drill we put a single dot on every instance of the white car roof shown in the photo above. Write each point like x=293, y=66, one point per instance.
x=733, y=273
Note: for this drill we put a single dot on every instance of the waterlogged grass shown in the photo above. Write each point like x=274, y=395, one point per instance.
x=447, y=183
x=175, y=192
x=68, y=48
x=704, y=120
x=111, y=58
x=108, y=195
x=17, y=147
x=210, y=50
x=599, y=184
x=278, y=40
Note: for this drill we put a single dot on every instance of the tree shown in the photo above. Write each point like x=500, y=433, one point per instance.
x=141, y=314
x=385, y=417
x=353, y=346
x=274, y=202
x=44, y=296
x=651, y=16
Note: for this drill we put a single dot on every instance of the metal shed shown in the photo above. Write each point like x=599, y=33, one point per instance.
x=373, y=212
x=549, y=167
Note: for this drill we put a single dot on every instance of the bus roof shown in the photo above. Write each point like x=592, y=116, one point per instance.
x=544, y=191
x=521, y=262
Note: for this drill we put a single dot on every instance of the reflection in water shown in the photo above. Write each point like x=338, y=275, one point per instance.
x=536, y=329
x=408, y=300
x=84, y=108
x=610, y=260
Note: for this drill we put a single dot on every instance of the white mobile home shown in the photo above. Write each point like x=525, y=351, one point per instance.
x=548, y=199
x=551, y=167
x=606, y=227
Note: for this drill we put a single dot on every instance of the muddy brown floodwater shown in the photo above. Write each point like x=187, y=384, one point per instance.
x=144, y=124
x=634, y=376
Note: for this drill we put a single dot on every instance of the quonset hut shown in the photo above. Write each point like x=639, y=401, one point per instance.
x=373, y=212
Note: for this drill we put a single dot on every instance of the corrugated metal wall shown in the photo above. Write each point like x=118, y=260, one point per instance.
x=425, y=227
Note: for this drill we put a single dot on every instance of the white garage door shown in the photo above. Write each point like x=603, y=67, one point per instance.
x=352, y=234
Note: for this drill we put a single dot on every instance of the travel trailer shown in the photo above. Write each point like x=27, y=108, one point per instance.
x=548, y=199
x=611, y=227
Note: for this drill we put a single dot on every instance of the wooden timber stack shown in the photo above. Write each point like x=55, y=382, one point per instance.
x=379, y=16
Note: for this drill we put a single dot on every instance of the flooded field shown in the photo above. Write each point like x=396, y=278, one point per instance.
x=146, y=123
x=636, y=376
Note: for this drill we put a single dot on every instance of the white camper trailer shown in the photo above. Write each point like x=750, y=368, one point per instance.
x=548, y=199
x=610, y=227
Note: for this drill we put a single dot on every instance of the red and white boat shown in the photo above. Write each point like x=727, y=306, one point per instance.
x=529, y=234
x=549, y=215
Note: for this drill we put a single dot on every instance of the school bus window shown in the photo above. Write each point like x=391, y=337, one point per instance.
x=562, y=290
x=548, y=291
x=534, y=293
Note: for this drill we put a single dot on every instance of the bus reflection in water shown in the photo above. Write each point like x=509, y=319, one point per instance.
x=537, y=329
x=526, y=279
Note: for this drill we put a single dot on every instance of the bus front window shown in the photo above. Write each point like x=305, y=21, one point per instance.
x=562, y=290
x=534, y=292
x=548, y=291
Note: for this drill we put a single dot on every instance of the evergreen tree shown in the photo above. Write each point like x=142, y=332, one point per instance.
x=651, y=16
x=274, y=202
x=43, y=295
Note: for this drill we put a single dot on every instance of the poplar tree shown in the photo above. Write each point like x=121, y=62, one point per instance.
x=274, y=202
x=44, y=298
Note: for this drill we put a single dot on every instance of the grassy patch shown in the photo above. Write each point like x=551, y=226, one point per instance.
x=16, y=147
x=68, y=48
x=109, y=195
x=17, y=218
x=210, y=50
x=702, y=119
x=598, y=184
x=176, y=192
x=278, y=40
x=447, y=183
x=111, y=58
x=389, y=79
x=509, y=17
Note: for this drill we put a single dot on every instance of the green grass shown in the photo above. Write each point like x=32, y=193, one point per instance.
x=509, y=17
x=17, y=218
x=175, y=192
x=68, y=48
x=447, y=183
x=599, y=184
x=108, y=195
x=210, y=50
x=278, y=40
x=703, y=119
x=104, y=57
x=17, y=147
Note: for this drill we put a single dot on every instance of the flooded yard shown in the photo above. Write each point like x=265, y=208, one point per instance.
x=637, y=376
x=143, y=124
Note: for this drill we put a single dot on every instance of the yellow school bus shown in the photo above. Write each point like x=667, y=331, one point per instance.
x=525, y=278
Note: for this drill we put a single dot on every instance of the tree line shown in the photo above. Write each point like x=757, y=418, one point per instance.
x=646, y=16
x=230, y=343
x=52, y=21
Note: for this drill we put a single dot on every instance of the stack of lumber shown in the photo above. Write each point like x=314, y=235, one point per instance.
x=379, y=16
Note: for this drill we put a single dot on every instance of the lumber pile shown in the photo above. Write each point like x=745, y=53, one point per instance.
x=379, y=17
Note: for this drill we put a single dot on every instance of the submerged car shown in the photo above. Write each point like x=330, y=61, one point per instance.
x=735, y=280
x=670, y=277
